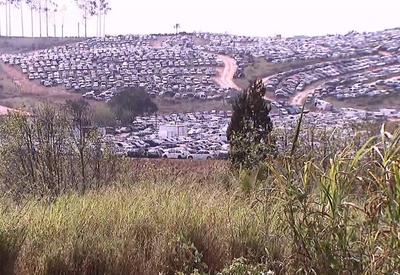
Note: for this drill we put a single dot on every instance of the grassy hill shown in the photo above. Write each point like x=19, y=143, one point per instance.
x=25, y=44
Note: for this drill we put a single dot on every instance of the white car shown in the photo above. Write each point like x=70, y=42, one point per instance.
x=175, y=154
x=201, y=155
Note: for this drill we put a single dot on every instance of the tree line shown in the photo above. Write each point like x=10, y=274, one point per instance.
x=44, y=9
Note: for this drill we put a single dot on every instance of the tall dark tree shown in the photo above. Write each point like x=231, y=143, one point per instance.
x=130, y=103
x=250, y=126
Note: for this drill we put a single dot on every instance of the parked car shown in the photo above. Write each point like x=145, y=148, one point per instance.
x=136, y=153
x=175, y=154
x=222, y=154
x=201, y=155
x=154, y=153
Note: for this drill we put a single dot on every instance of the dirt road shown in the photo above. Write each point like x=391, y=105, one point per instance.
x=225, y=75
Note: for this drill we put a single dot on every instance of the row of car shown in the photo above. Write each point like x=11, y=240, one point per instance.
x=173, y=153
x=287, y=84
x=98, y=65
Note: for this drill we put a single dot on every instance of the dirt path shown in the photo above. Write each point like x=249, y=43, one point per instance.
x=225, y=74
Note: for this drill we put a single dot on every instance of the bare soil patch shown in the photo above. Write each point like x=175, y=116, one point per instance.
x=225, y=75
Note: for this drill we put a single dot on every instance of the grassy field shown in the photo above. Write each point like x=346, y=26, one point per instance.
x=331, y=209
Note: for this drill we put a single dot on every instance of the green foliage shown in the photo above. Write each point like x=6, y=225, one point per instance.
x=130, y=103
x=250, y=126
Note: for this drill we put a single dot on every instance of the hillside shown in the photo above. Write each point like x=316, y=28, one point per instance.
x=26, y=44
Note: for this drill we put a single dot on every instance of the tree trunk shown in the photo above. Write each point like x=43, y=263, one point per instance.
x=0, y=28
x=85, y=23
x=40, y=18
x=97, y=26
x=62, y=30
x=100, y=32
x=104, y=25
x=47, y=19
x=32, y=21
x=9, y=18
x=6, y=17
x=22, y=19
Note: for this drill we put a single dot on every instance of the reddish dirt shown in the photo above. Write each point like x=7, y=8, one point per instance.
x=27, y=93
x=225, y=75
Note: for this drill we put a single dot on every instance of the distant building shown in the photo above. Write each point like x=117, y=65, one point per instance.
x=172, y=130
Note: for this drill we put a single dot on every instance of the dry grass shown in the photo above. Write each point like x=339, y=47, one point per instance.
x=144, y=229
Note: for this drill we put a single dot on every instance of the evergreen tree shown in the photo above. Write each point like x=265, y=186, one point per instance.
x=250, y=126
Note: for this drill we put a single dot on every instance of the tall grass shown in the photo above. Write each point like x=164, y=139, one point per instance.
x=141, y=230
x=331, y=210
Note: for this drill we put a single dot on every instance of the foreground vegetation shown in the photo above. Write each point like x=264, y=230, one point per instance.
x=326, y=210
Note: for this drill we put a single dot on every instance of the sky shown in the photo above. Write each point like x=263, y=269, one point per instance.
x=250, y=17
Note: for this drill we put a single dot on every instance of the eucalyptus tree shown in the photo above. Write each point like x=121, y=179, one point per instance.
x=103, y=9
x=32, y=4
x=20, y=4
x=88, y=8
x=8, y=4
x=3, y=3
